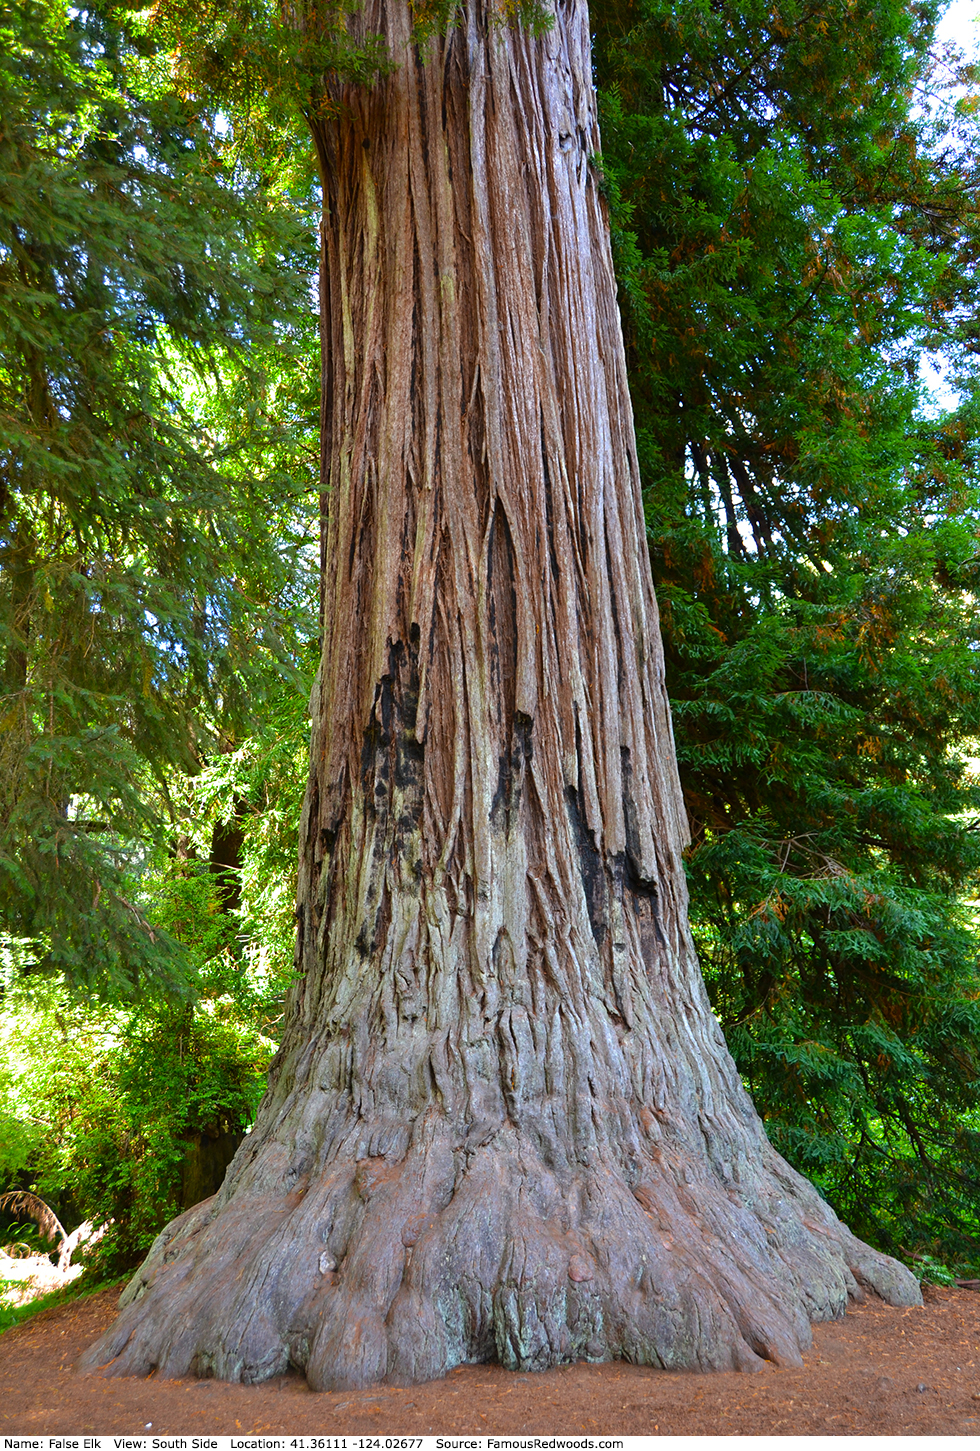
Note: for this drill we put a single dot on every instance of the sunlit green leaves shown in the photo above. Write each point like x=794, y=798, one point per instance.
x=100, y=1107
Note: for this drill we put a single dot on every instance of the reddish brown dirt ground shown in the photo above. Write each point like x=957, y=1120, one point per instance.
x=878, y=1371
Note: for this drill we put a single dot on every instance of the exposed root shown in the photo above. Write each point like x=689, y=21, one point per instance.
x=397, y=1272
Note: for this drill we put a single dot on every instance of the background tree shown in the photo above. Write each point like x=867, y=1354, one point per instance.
x=159, y=374
x=150, y=471
x=797, y=225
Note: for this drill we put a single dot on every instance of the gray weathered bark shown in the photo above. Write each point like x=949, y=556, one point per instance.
x=503, y=1122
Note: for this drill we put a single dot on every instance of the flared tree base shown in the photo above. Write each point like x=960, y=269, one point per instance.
x=394, y=1273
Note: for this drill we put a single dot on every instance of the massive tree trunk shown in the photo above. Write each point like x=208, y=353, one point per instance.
x=503, y=1123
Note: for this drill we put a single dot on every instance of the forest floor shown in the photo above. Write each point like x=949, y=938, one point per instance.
x=879, y=1371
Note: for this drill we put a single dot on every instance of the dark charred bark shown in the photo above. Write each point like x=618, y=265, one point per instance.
x=503, y=1123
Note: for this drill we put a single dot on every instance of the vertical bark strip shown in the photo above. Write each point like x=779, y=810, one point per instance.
x=503, y=1122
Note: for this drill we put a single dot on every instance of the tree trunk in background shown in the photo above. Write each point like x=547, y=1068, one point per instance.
x=205, y=1162
x=225, y=858
x=503, y=1123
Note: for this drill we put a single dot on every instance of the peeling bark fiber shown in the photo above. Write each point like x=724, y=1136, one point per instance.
x=503, y=1123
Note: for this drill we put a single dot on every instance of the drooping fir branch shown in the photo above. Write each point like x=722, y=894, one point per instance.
x=153, y=469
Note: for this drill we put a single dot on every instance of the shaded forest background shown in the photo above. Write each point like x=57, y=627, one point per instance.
x=793, y=193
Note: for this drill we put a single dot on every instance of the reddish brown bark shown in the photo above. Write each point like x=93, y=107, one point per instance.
x=503, y=1123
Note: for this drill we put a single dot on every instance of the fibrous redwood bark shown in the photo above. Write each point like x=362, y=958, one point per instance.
x=503, y=1122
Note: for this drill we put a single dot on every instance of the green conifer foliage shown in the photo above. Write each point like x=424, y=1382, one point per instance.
x=794, y=227
x=152, y=465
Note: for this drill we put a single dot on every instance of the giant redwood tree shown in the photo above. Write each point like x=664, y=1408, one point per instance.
x=503, y=1123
